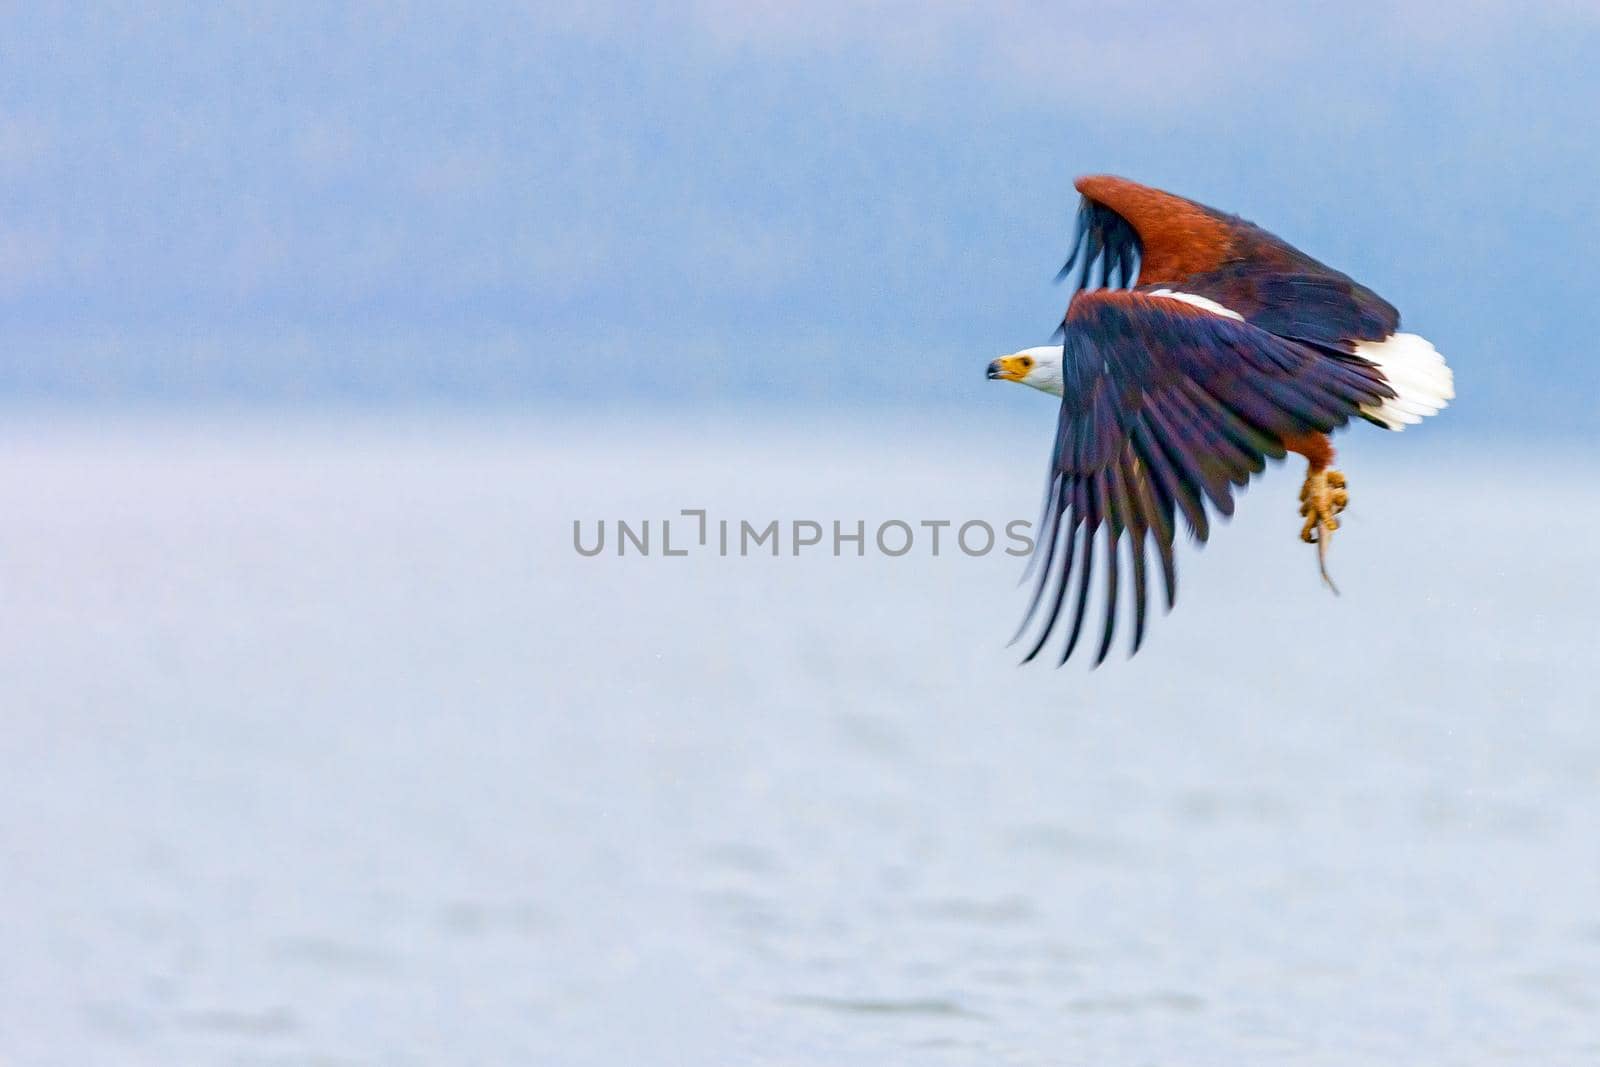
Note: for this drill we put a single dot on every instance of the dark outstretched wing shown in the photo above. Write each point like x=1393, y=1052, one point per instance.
x=1166, y=407
x=1183, y=245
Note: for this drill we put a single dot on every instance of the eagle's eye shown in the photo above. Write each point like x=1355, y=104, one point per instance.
x=1027, y=362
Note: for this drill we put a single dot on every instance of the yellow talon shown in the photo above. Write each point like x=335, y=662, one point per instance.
x=1322, y=498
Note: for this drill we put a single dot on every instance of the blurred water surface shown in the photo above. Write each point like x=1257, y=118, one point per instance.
x=322, y=745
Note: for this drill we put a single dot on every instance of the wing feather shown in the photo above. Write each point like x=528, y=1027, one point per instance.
x=1055, y=606
x=1167, y=408
x=1083, y=592
x=1155, y=238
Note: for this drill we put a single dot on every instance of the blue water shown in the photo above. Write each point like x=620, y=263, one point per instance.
x=322, y=745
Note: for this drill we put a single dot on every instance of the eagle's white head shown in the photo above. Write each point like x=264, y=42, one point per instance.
x=1039, y=367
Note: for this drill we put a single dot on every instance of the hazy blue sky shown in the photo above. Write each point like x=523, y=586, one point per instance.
x=729, y=202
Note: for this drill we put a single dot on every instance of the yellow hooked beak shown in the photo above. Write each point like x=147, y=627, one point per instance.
x=1010, y=368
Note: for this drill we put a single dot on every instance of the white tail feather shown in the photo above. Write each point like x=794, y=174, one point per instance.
x=1417, y=373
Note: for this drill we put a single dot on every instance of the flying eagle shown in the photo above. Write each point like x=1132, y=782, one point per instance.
x=1209, y=347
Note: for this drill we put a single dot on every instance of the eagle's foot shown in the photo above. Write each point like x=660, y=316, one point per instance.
x=1322, y=498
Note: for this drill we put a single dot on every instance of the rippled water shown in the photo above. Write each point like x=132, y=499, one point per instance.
x=321, y=744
